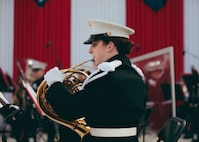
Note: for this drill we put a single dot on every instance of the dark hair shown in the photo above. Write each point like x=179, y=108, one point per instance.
x=123, y=45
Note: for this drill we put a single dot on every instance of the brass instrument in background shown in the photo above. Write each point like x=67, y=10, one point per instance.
x=73, y=81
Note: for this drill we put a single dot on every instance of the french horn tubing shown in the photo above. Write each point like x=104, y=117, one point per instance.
x=73, y=81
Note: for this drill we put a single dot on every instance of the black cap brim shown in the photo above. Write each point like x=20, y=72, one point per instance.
x=96, y=37
x=89, y=41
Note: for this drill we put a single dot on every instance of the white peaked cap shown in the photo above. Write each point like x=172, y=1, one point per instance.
x=109, y=29
x=35, y=64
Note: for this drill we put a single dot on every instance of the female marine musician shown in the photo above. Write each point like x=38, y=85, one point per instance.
x=113, y=97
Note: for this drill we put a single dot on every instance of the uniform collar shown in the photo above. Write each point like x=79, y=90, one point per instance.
x=124, y=59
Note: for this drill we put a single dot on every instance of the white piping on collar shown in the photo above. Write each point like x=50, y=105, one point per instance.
x=105, y=67
x=109, y=66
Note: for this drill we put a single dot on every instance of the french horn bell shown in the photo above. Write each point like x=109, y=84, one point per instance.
x=73, y=82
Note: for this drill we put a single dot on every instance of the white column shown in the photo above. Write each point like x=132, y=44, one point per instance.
x=191, y=35
x=82, y=10
x=6, y=35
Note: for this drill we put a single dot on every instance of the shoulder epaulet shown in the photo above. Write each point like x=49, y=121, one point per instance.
x=139, y=71
x=109, y=66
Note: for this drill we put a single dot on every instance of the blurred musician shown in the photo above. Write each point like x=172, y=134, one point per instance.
x=9, y=112
x=193, y=102
x=190, y=108
x=27, y=127
x=38, y=71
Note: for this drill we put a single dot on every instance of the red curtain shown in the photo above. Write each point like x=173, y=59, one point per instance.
x=42, y=32
x=154, y=30
x=157, y=29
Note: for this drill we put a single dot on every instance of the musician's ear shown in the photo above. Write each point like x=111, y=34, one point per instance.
x=111, y=46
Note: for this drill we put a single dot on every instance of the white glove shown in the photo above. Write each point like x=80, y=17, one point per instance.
x=54, y=75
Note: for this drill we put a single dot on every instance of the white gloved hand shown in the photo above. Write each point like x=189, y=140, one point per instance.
x=54, y=75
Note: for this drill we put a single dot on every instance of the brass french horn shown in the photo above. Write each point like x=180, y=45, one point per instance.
x=73, y=81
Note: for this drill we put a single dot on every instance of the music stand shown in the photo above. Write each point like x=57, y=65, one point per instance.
x=166, y=90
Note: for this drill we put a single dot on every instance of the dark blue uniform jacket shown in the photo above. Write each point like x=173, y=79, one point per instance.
x=115, y=100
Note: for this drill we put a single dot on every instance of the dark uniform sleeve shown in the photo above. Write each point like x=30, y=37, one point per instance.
x=62, y=102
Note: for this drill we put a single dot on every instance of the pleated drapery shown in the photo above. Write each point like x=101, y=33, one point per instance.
x=42, y=33
x=157, y=27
